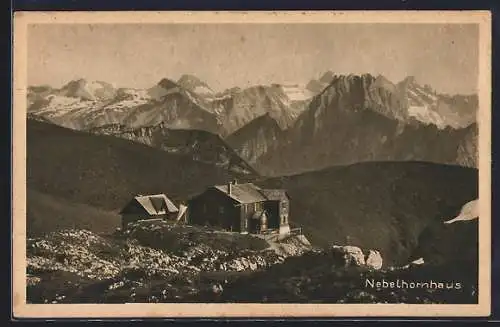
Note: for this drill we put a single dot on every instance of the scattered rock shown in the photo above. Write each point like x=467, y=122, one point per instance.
x=351, y=255
x=374, y=260
x=125, y=260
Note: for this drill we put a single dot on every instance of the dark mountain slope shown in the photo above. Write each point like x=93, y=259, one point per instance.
x=200, y=145
x=256, y=138
x=377, y=205
x=442, y=244
x=239, y=107
x=105, y=171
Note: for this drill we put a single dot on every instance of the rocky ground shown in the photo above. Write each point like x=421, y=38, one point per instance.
x=330, y=276
x=146, y=263
x=160, y=262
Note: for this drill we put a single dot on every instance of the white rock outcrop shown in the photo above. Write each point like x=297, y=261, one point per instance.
x=352, y=255
x=374, y=260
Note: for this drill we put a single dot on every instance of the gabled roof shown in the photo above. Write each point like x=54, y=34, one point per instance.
x=250, y=193
x=243, y=193
x=156, y=204
x=275, y=194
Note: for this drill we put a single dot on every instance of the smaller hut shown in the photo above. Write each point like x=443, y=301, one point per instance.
x=147, y=207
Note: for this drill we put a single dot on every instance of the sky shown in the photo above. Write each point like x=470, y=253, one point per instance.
x=227, y=55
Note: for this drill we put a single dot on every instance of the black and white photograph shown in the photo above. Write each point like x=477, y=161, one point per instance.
x=280, y=161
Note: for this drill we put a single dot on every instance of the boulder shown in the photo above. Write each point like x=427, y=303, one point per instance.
x=374, y=260
x=350, y=255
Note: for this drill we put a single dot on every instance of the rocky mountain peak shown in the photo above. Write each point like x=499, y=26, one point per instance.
x=88, y=90
x=327, y=77
x=194, y=84
x=167, y=83
x=187, y=80
x=408, y=81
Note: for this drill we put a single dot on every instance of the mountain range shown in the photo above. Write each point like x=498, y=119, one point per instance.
x=277, y=129
x=364, y=118
x=185, y=103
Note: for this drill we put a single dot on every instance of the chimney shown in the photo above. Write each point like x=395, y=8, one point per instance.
x=229, y=185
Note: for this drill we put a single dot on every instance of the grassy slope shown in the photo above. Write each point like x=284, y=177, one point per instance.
x=77, y=179
x=105, y=171
x=384, y=205
x=47, y=213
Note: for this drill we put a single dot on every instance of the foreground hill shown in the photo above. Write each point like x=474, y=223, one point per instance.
x=105, y=171
x=377, y=205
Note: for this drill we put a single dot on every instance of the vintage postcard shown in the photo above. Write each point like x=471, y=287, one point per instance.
x=251, y=164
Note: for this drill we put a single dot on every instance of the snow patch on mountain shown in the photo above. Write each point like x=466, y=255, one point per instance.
x=203, y=90
x=296, y=92
x=61, y=105
x=88, y=90
x=195, y=85
x=426, y=115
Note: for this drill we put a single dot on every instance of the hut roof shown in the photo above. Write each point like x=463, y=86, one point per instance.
x=243, y=193
x=250, y=193
x=275, y=194
x=156, y=204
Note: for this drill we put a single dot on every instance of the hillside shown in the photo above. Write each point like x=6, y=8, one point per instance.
x=48, y=213
x=256, y=138
x=105, y=171
x=377, y=205
x=457, y=243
